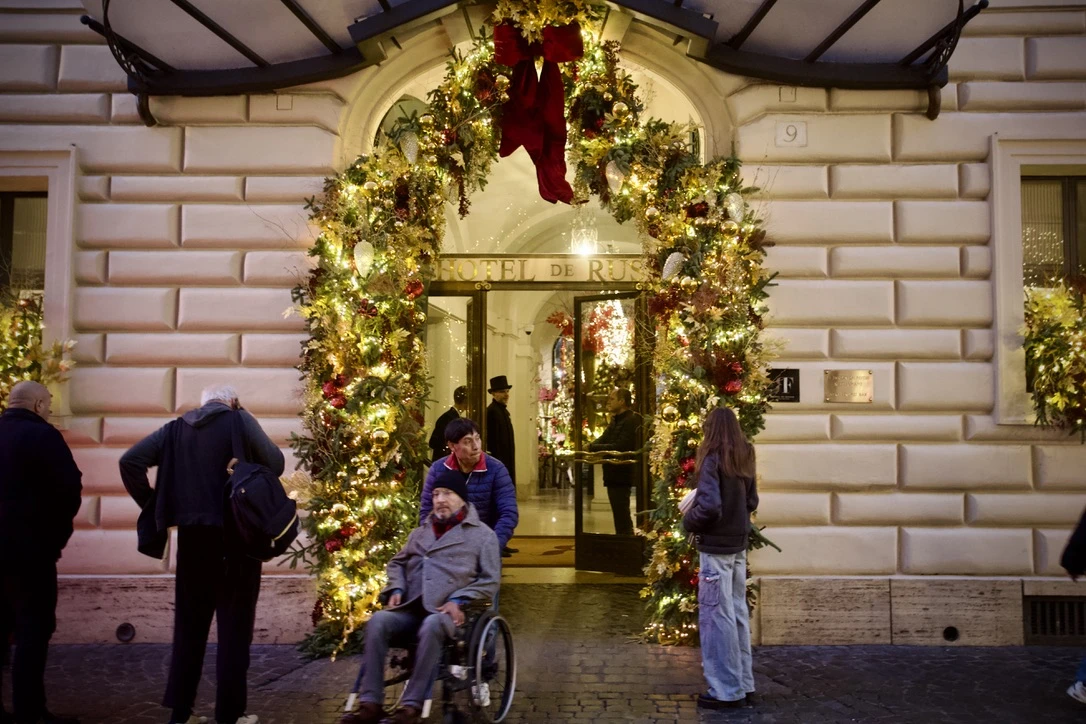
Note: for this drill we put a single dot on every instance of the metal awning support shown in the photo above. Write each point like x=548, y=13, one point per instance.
x=922, y=69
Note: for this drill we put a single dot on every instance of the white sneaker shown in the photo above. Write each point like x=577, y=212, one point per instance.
x=1077, y=691
x=480, y=693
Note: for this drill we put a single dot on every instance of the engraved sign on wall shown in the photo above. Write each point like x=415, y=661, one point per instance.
x=786, y=385
x=791, y=133
x=854, y=386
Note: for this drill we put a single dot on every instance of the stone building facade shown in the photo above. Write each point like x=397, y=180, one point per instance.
x=173, y=249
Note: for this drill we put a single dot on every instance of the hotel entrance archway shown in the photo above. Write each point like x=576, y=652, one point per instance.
x=564, y=330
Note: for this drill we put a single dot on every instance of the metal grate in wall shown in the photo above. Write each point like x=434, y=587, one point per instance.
x=1059, y=620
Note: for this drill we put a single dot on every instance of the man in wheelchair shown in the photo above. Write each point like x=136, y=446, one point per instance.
x=451, y=559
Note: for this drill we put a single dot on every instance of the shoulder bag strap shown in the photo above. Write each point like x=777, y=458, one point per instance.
x=237, y=437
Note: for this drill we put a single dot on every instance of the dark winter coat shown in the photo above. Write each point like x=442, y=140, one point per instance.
x=192, y=454
x=438, y=445
x=499, y=437
x=490, y=491
x=40, y=487
x=620, y=436
x=719, y=517
x=1074, y=555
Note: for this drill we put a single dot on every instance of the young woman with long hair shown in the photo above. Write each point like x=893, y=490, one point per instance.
x=719, y=518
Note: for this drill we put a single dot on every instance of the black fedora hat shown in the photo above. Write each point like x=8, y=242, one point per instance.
x=499, y=383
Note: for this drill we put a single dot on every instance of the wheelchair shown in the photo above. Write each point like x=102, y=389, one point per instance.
x=477, y=675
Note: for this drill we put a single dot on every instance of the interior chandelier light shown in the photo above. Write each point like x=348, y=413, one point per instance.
x=584, y=236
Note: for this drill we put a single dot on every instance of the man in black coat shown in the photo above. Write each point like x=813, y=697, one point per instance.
x=214, y=576
x=39, y=496
x=620, y=478
x=438, y=447
x=1073, y=561
x=499, y=433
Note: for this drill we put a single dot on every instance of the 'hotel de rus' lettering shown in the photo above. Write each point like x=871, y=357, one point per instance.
x=612, y=268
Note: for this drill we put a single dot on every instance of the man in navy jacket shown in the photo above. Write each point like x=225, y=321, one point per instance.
x=214, y=576
x=39, y=496
x=1073, y=561
x=490, y=488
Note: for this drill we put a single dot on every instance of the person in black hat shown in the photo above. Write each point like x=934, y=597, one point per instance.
x=499, y=432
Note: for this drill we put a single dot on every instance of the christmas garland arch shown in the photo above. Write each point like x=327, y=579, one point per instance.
x=382, y=221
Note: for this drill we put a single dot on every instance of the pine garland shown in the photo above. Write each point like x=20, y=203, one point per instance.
x=23, y=355
x=1055, y=359
x=365, y=306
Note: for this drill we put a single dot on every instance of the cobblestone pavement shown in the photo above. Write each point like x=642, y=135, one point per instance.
x=578, y=662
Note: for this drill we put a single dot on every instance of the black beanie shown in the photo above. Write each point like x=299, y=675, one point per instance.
x=452, y=480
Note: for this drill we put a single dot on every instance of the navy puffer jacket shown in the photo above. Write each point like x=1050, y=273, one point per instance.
x=490, y=490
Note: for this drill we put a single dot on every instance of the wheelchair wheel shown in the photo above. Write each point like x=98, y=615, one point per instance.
x=493, y=670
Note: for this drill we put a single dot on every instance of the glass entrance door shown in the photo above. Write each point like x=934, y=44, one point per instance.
x=609, y=472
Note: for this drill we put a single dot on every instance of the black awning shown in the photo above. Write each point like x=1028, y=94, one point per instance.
x=207, y=48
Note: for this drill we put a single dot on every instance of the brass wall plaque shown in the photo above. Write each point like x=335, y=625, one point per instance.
x=849, y=386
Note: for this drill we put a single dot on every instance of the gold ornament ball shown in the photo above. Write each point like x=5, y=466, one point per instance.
x=683, y=424
x=607, y=96
x=501, y=83
x=670, y=413
x=366, y=461
x=504, y=98
x=339, y=511
x=691, y=443
x=652, y=212
x=431, y=159
x=689, y=284
x=427, y=121
x=370, y=186
x=621, y=109
x=730, y=228
x=379, y=438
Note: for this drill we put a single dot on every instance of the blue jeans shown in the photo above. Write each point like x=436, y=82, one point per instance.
x=724, y=625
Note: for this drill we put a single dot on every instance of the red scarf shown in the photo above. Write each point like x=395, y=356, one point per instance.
x=441, y=527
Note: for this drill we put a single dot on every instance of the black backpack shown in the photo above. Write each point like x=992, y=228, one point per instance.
x=266, y=520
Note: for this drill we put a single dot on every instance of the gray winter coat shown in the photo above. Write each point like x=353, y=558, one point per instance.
x=464, y=564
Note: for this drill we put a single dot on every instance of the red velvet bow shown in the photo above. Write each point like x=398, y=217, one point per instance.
x=535, y=114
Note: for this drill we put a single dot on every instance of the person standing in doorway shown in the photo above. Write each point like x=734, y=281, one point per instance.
x=438, y=448
x=214, y=575
x=620, y=478
x=719, y=518
x=40, y=493
x=1073, y=561
x=499, y=435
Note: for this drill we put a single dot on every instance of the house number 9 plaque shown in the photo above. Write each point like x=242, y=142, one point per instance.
x=855, y=386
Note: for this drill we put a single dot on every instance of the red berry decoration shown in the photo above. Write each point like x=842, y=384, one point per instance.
x=332, y=545
x=347, y=531
x=338, y=402
x=688, y=465
x=733, y=387
x=329, y=389
x=736, y=367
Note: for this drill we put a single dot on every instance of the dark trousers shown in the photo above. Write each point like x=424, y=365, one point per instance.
x=28, y=607
x=619, y=497
x=213, y=578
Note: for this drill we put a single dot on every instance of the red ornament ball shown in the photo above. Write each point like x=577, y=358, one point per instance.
x=332, y=545
x=338, y=402
x=733, y=387
x=347, y=531
x=329, y=389
x=688, y=465
x=414, y=289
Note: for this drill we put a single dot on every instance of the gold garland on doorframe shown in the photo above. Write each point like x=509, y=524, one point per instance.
x=365, y=301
